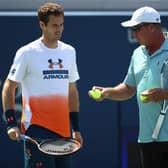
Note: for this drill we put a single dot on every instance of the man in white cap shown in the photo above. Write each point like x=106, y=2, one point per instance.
x=144, y=75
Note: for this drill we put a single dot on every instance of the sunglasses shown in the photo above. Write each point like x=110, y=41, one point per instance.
x=138, y=27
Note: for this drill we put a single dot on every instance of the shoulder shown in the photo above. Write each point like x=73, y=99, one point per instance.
x=29, y=46
x=65, y=46
x=139, y=51
x=23, y=52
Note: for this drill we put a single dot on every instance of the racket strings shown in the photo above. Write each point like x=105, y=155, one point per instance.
x=57, y=147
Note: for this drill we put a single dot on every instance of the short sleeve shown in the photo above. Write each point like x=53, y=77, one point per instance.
x=73, y=74
x=130, y=77
x=18, y=69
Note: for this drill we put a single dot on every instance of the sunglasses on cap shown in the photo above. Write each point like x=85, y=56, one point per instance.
x=138, y=27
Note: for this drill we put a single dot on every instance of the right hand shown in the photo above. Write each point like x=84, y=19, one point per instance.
x=14, y=133
x=101, y=89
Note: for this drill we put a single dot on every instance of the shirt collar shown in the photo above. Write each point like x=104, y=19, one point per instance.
x=163, y=48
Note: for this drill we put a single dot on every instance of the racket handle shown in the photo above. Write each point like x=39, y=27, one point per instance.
x=28, y=139
x=158, y=126
x=24, y=137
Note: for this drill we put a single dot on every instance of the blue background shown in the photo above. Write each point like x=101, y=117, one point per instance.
x=103, y=54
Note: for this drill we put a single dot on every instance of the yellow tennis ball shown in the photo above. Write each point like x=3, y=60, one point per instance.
x=143, y=98
x=96, y=94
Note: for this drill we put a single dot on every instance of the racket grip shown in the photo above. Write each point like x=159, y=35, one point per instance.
x=158, y=126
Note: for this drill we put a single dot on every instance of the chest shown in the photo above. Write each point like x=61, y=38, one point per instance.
x=148, y=67
x=40, y=64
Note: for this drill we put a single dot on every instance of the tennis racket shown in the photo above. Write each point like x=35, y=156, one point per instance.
x=55, y=147
x=164, y=85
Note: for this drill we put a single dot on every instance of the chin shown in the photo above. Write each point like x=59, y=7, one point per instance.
x=58, y=38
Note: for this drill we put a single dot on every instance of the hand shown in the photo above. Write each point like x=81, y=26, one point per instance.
x=77, y=136
x=14, y=133
x=154, y=95
x=96, y=88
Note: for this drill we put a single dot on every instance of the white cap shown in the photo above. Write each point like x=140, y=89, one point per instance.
x=143, y=15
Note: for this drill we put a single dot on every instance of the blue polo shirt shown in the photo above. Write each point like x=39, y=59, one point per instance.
x=144, y=74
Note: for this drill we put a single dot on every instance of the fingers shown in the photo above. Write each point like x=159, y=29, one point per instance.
x=78, y=137
x=96, y=93
x=14, y=133
x=153, y=95
x=97, y=87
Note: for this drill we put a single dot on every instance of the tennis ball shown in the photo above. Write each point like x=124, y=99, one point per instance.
x=143, y=98
x=96, y=94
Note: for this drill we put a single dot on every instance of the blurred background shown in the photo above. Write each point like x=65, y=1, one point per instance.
x=104, y=50
x=84, y=5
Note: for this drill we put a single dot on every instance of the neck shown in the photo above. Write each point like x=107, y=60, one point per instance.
x=49, y=43
x=155, y=45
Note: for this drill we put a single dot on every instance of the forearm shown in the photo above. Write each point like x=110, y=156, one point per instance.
x=73, y=98
x=8, y=101
x=8, y=97
x=120, y=92
x=74, y=107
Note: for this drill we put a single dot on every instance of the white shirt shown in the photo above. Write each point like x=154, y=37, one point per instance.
x=45, y=74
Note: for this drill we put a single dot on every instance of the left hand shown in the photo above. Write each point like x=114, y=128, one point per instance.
x=154, y=95
x=77, y=136
x=14, y=133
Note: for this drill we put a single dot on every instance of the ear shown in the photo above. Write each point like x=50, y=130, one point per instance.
x=42, y=25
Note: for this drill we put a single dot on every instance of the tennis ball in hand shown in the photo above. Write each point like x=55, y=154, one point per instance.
x=96, y=94
x=143, y=98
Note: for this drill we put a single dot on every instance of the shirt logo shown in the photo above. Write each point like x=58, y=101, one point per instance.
x=56, y=63
x=55, y=70
x=13, y=71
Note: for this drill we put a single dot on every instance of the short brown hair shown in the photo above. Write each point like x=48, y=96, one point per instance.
x=48, y=9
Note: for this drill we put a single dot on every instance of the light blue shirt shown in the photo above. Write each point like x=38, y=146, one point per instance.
x=144, y=74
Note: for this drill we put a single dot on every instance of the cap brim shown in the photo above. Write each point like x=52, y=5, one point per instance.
x=129, y=23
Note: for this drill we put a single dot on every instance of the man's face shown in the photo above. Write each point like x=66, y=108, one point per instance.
x=141, y=33
x=54, y=28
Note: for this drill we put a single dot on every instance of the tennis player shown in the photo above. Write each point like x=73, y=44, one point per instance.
x=144, y=75
x=47, y=71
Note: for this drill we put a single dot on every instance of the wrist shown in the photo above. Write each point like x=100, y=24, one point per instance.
x=74, y=117
x=106, y=93
x=10, y=118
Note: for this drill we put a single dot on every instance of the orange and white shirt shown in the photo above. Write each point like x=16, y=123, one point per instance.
x=45, y=74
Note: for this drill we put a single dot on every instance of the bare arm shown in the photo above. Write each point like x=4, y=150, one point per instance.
x=119, y=92
x=8, y=102
x=73, y=97
x=8, y=94
x=74, y=111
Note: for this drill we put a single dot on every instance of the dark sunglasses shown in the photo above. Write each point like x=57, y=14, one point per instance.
x=138, y=27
